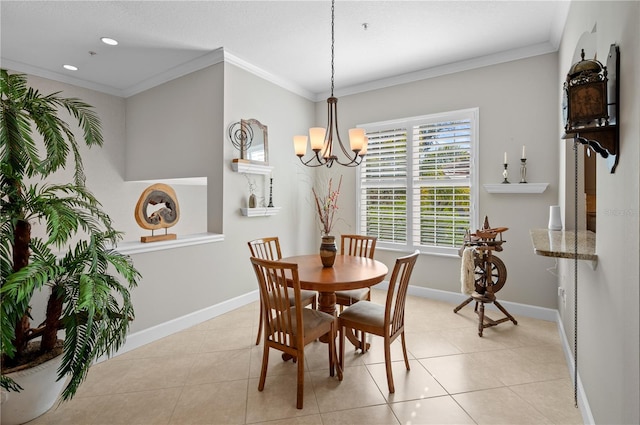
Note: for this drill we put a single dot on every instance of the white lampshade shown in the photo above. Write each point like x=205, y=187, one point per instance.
x=363, y=151
x=356, y=138
x=316, y=135
x=300, y=145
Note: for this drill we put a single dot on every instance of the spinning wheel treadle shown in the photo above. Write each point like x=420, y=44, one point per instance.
x=490, y=274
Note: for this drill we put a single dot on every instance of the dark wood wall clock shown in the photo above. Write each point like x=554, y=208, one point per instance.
x=590, y=105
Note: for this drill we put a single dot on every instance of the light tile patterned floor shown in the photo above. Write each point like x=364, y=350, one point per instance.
x=209, y=375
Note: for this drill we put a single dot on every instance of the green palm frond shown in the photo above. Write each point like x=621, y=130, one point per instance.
x=95, y=322
x=16, y=293
x=22, y=106
x=86, y=280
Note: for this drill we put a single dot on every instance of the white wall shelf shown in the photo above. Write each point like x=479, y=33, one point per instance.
x=516, y=187
x=259, y=212
x=136, y=247
x=244, y=166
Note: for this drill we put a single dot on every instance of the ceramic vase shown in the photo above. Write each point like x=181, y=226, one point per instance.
x=328, y=250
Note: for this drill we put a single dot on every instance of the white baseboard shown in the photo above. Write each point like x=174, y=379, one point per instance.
x=457, y=298
x=140, y=338
x=583, y=402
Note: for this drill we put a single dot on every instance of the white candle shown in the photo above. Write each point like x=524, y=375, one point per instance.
x=524, y=154
x=505, y=158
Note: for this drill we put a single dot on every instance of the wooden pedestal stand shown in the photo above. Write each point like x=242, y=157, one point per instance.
x=156, y=238
x=490, y=274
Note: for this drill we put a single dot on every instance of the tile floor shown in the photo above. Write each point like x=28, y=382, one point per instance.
x=208, y=374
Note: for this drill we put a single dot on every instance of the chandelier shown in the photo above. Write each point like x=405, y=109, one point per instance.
x=325, y=151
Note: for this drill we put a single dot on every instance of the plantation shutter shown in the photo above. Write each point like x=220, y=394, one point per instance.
x=442, y=178
x=416, y=182
x=384, y=186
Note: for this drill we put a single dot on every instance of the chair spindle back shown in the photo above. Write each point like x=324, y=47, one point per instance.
x=279, y=316
x=358, y=245
x=397, y=291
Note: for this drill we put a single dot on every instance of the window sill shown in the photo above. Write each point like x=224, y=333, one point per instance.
x=135, y=247
x=516, y=187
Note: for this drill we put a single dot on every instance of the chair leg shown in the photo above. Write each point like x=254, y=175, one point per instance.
x=259, y=327
x=263, y=371
x=387, y=363
x=341, y=332
x=300, y=392
x=332, y=347
x=481, y=319
x=333, y=355
x=404, y=351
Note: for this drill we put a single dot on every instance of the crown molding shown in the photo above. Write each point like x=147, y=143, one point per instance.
x=208, y=59
x=221, y=55
x=438, y=71
x=281, y=82
x=55, y=76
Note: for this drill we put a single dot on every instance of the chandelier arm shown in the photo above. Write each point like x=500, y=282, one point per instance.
x=353, y=163
x=347, y=152
x=319, y=161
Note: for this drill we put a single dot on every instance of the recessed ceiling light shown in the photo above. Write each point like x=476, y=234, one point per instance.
x=70, y=67
x=109, y=41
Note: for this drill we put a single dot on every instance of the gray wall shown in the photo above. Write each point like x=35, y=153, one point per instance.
x=608, y=297
x=175, y=130
x=513, y=100
x=181, y=281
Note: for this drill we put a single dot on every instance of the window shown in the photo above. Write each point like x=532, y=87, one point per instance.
x=417, y=183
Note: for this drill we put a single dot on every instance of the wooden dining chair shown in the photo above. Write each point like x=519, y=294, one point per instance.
x=269, y=249
x=386, y=321
x=290, y=327
x=359, y=246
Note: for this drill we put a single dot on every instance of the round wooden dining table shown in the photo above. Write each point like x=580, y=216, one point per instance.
x=348, y=272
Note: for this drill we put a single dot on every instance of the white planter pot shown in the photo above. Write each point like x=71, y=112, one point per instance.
x=40, y=392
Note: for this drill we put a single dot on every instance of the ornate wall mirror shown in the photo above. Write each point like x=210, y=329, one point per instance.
x=254, y=142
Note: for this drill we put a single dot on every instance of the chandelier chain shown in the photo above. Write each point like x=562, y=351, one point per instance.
x=575, y=273
x=332, y=43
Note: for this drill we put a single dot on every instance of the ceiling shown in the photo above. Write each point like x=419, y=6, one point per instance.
x=288, y=42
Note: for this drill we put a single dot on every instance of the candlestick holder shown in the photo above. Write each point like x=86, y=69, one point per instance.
x=505, y=174
x=270, y=194
x=523, y=170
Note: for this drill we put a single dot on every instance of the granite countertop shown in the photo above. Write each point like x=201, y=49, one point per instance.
x=560, y=244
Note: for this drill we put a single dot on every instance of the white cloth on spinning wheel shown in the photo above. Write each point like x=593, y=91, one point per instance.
x=467, y=271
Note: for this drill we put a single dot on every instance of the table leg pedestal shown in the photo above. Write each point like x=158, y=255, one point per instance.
x=327, y=304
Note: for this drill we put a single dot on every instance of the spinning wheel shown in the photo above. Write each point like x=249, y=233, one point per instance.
x=497, y=275
x=489, y=273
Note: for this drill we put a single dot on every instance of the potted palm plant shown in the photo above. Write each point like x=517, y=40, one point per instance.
x=72, y=256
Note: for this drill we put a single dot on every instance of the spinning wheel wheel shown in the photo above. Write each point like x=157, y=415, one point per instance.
x=496, y=278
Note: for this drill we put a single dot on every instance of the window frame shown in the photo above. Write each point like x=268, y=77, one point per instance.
x=473, y=114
